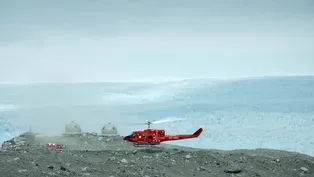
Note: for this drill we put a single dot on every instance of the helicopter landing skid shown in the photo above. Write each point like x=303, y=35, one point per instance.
x=146, y=144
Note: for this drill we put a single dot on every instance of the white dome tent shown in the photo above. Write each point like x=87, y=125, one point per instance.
x=109, y=130
x=73, y=128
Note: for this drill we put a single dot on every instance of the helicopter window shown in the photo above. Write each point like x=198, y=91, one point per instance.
x=132, y=135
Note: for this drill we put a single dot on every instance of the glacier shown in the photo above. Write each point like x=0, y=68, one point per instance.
x=266, y=112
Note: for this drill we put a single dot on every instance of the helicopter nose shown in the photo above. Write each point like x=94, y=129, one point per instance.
x=126, y=138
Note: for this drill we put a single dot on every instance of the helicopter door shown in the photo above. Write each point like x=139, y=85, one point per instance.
x=147, y=136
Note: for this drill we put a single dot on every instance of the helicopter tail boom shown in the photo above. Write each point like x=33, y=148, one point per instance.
x=180, y=137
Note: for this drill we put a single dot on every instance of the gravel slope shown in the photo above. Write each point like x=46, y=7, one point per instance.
x=90, y=155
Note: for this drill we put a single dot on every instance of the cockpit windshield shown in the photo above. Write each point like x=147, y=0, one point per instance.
x=131, y=135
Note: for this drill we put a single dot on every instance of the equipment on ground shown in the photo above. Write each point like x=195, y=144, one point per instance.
x=54, y=146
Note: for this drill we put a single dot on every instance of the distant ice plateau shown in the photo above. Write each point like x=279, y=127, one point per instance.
x=274, y=112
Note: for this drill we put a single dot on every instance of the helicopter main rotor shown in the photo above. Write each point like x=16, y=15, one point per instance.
x=166, y=120
x=148, y=124
x=161, y=121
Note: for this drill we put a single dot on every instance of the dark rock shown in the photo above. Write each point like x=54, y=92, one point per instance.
x=63, y=168
x=233, y=169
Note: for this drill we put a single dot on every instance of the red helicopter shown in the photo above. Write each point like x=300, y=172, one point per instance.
x=153, y=137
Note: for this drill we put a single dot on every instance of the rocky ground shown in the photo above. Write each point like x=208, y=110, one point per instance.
x=90, y=155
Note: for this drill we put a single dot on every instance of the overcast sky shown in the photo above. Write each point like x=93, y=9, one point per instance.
x=113, y=40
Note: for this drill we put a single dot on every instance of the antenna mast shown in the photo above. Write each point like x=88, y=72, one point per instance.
x=149, y=123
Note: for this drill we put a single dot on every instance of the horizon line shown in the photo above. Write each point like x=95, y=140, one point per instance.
x=143, y=81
